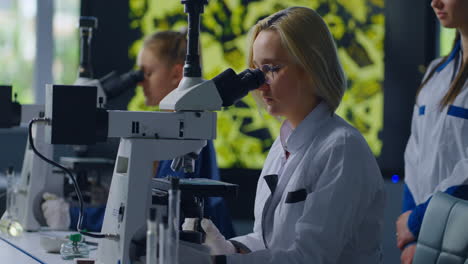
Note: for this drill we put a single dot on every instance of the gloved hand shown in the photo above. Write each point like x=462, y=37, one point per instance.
x=193, y=254
x=214, y=239
x=56, y=211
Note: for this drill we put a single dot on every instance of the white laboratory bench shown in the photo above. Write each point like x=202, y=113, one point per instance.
x=26, y=249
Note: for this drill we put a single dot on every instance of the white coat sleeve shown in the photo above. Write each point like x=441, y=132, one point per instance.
x=333, y=210
x=458, y=176
x=412, y=155
x=411, y=152
x=252, y=241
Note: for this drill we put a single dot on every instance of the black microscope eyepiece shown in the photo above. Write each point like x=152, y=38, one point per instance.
x=232, y=87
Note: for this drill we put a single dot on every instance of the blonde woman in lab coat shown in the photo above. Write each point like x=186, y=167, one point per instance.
x=320, y=195
x=436, y=156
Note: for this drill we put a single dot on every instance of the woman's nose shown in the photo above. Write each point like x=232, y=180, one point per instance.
x=436, y=4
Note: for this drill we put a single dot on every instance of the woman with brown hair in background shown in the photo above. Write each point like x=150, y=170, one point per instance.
x=436, y=156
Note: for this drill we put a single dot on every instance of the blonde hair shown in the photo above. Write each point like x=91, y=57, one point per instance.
x=310, y=44
x=169, y=46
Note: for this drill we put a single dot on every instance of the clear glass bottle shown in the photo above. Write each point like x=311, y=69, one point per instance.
x=10, y=227
x=162, y=242
x=173, y=222
x=74, y=248
x=9, y=224
x=152, y=238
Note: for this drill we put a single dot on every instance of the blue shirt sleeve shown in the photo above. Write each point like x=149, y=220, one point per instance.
x=92, y=219
x=408, y=200
x=205, y=166
x=416, y=217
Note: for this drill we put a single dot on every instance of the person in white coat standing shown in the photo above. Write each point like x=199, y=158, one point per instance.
x=320, y=196
x=436, y=156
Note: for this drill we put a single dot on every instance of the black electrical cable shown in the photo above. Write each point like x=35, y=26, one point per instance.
x=68, y=172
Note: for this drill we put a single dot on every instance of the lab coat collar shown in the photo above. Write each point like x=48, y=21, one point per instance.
x=293, y=139
x=457, y=50
x=285, y=132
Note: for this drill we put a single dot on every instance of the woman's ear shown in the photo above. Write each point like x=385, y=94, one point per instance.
x=177, y=73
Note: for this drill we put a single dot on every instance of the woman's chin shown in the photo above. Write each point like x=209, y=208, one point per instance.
x=150, y=103
x=273, y=110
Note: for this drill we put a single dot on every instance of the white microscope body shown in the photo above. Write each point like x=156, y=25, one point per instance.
x=145, y=137
x=36, y=177
x=178, y=133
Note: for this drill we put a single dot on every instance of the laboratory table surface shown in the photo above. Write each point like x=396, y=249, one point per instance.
x=26, y=249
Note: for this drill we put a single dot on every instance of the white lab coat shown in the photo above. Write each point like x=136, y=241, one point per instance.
x=436, y=156
x=339, y=220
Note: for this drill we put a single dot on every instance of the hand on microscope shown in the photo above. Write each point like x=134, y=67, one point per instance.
x=56, y=211
x=214, y=240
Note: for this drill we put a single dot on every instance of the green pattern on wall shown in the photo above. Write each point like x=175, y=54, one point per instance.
x=245, y=133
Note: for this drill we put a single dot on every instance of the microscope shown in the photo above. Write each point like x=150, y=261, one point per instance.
x=36, y=175
x=88, y=169
x=179, y=133
x=145, y=137
x=111, y=85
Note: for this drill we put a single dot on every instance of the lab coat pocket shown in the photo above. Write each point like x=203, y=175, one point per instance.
x=457, y=111
x=456, y=124
x=289, y=213
x=296, y=196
